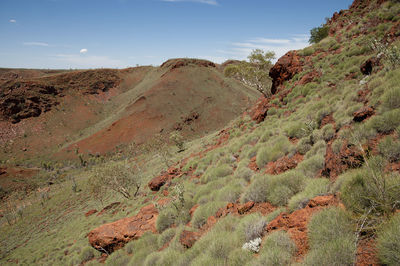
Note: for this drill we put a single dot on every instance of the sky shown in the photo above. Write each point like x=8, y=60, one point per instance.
x=64, y=34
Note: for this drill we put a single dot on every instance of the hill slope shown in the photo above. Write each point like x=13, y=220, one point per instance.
x=311, y=176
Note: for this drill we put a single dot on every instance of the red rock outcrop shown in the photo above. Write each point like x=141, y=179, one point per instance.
x=110, y=237
x=157, y=182
x=285, y=68
x=364, y=113
x=283, y=164
x=188, y=238
x=348, y=157
x=367, y=67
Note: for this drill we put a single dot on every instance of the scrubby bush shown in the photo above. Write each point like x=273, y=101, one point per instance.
x=86, y=254
x=328, y=132
x=390, y=148
x=275, y=189
x=216, y=172
x=332, y=239
x=311, y=166
x=337, y=145
x=304, y=145
x=244, y=173
x=202, y=213
x=166, y=236
x=370, y=189
x=313, y=188
x=391, y=99
x=239, y=257
x=297, y=130
x=318, y=33
x=388, y=242
x=278, y=149
x=278, y=249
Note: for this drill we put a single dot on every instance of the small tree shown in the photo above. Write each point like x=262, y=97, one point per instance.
x=255, y=72
x=119, y=177
x=318, y=33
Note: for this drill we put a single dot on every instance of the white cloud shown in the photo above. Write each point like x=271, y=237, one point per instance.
x=208, y=2
x=240, y=50
x=92, y=61
x=36, y=44
x=83, y=51
x=12, y=21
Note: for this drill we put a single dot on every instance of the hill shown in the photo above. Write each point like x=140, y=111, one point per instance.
x=310, y=175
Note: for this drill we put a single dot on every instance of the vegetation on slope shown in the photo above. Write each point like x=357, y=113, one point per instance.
x=325, y=157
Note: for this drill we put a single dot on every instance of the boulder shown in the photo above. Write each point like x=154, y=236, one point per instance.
x=188, y=238
x=367, y=67
x=112, y=236
x=362, y=114
x=285, y=68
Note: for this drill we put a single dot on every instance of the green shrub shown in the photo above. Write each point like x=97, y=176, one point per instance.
x=388, y=242
x=328, y=132
x=391, y=99
x=304, y=145
x=165, y=219
x=387, y=122
x=166, y=236
x=307, y=51
x=271, y=153
x=217, y=172
x=275, y=189
x=311, y=166
x=390, y=148
x=118, y=257
x=370, y=189
x=239, y=257
x=152, y=259
x=202, y=213
x=244, y=173
x=278, y=249
x=331, y=237
x=313, y=188
x=296, y=130
x=337, y=145
x=318, y=33
x=86, y=254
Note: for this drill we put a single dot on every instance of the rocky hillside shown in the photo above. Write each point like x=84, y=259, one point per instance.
x=309, y=176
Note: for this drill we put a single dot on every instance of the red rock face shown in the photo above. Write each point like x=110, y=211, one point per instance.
x=157, y=182
x=367, y=67
x=110, y=237
x=364, y=113
x=286, y=67
x=348, y=157
x=188, y=238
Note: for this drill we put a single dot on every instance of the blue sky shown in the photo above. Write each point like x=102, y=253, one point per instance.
x=122, y=33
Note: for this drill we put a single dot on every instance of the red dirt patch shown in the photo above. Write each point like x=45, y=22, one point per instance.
x=296, y=223
x=366, y=253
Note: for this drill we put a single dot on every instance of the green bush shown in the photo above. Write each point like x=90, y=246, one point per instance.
x=370, y=189
x=390, y=148
x=239, y=257
x=166, y=236
x=87, y=254
x=388, y=242
x=313, y=188
x=318, y=33
x=217, y=172
x=328, y=132
x=311, y=166
x=391, y=99
x=331, y=237
x=202, y=213
x=386, y=122
x=279, y=148
x=165, y=219
x=296, y=130
x=278, y=249
x=275, y=189
x=244, y=173
x=304, y=145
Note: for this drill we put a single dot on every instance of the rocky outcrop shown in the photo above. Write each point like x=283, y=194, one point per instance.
x=182, y=62
x=367, y=67
x=285, y=68
x=348, y=157
x=364, y=113
x=110, y=237
x=188, y=238
x=157, y=182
